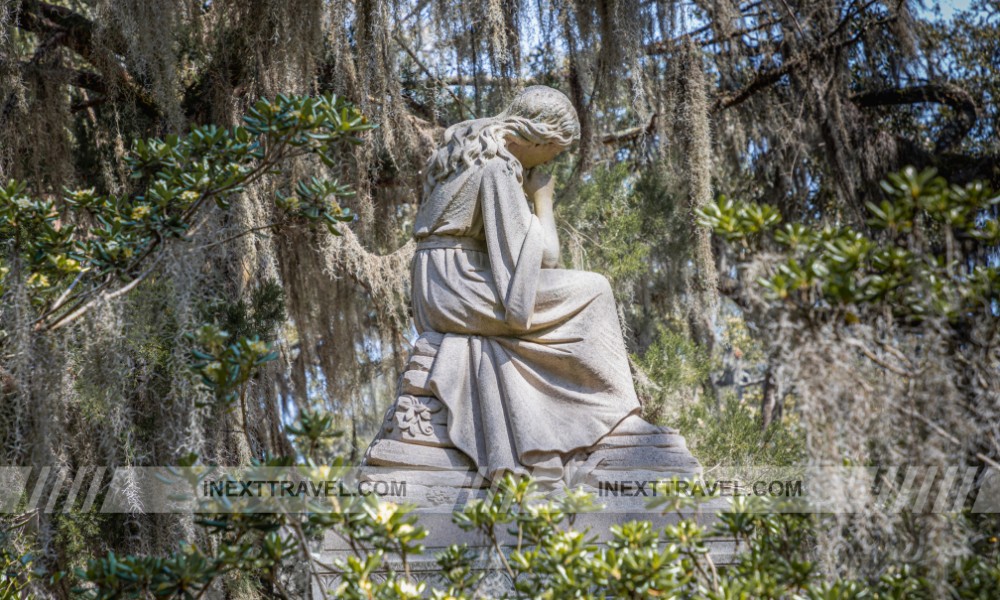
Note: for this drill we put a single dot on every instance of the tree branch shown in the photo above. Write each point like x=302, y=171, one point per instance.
x=959, y=100
x=770, y=77
x=76, y=32
x=413, y=55
x=76, y=77
x=667, y=46
x=626, y=135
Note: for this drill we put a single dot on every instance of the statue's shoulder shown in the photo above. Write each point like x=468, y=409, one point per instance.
x=499, y=169
x=469, y=180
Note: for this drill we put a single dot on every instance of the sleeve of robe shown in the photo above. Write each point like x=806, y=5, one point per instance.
x=514, y=240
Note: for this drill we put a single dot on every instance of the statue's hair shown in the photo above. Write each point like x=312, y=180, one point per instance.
x=538, y=115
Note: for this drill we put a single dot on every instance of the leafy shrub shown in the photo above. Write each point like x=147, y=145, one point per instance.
x=69, y=254
x=551, y=559
x=922, y=257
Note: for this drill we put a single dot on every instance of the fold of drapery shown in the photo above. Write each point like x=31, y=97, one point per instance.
x=501, y=418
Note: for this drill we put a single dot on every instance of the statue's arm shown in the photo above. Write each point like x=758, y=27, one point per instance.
x=515, y=241
x=540, y=188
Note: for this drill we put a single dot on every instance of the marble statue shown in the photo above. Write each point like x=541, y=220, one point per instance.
x=520, y=365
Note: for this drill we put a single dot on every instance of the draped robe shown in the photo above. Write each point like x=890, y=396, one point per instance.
x=532, y=366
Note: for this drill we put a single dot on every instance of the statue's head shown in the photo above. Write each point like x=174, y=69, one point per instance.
x=540, y=123
x=537, y=126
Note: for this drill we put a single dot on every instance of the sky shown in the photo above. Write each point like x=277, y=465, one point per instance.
x=948, y=7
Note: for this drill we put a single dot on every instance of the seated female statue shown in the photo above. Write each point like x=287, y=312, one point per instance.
x=532, y=366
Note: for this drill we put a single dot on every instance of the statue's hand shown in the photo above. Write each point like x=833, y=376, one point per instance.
x=539, y=185
x=539, y=188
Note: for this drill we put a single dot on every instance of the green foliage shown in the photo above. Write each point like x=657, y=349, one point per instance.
x=226, y=367
x=551, y=557
x=456, y=566
x=259, y=317
x=360, y=582
x=76, y=533
x=730, y=433
x=675, y=362
x=31, y=228
x=183, y=574
x=87, y=246
x=314, y=432
x=605, y=222
x=922, y=257
x=721, y=429
x=737, y=221
x=777, y=562
x=226, y=362
x=553, y=560
x=17, y=569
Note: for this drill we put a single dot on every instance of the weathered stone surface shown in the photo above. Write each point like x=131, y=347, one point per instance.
x=459, y=478
x=420, y=362
x=636, y=425
x=427, y=344
x=415, y=383
x=644, y=458
x=394, y=453
x=656, y=440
